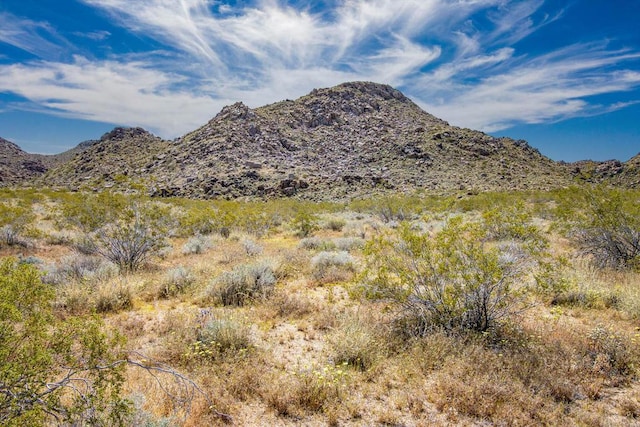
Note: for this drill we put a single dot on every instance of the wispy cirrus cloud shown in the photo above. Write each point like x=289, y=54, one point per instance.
x=267, y=50
x=38, y=38
x=130, y=94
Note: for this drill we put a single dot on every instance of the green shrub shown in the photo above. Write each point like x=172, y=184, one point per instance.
x=52, y=371
x=14, y=220
x=512, y=222
x=335, y=224
x=447, y=280
x=304, y=224
x=244, y=283
x=609, y=230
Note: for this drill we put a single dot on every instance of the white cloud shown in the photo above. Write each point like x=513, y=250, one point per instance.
x=37, y=38
x=268, y=50
x=131, y=94
x=548, y=88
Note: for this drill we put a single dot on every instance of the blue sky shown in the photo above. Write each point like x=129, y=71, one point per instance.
x=564, y=75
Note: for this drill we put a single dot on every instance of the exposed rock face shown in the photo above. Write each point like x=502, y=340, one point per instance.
x=353, y=140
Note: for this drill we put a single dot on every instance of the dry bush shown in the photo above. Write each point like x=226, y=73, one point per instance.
x=197, y=245
x=176, y=281
x=77, y=268
x=522, y=377
x=130, y=242
x=177, y=331
x=113, y=297
x=348, y=243
x=251, y=248
x=74, y=298
x=327, y=267
x=316, y=389
x=610, y=230
x=221, y=337
x=357, y=342
x=244, y=283
x=291, y=306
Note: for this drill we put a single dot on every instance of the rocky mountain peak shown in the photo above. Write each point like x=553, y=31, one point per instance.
x=237, y=111
x=122, y=133
x=9, y=147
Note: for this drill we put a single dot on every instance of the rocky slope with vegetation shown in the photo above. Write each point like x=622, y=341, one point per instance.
x=354, y=140
x=16, y=165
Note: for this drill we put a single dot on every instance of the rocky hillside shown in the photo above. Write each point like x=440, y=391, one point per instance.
x=614, y=172
x=119, y=159
x=352, y=140
x=17, y=166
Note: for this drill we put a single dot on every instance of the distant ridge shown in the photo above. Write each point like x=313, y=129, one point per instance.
x=353, y=140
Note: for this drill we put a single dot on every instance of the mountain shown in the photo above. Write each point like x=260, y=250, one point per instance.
x=353, y=140
x=17, y=166
x=612, y=172
x=118, y=159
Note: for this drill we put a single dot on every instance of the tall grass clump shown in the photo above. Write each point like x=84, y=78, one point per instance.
x=176, y=281
x=244, y=283
x=332, y=266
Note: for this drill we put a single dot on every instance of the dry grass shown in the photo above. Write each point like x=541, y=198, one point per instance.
x=294, y=353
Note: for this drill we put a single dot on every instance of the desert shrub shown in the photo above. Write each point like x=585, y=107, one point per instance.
x=53, y=371
x=304, y=223
x=111, y=298
x=447, y=280
x=176, y=281
x=332, y=266
x=513, y=222
x=61, y=238
x=251, y=247
x=609, y=231
x=313, y=389
x=312, y=243
x=551, y=275
x=79, y=268
x=612, y=353
x=335, y=224
x=90, y=212
x=357, y=343
x=348, y=243
x=14, y=219
x=197, y=245
x=291, y=305
x=244, y=283
x=220, y=337
x=131, y=241
x=199, y=220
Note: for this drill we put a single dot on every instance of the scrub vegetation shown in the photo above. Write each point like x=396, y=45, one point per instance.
x=519, y=308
